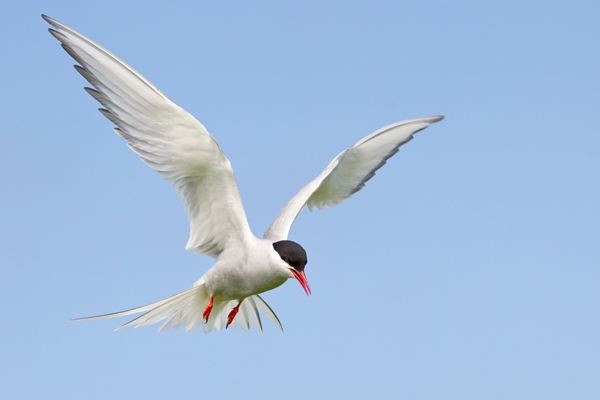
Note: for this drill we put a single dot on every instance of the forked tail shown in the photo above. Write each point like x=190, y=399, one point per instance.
x=185, y=309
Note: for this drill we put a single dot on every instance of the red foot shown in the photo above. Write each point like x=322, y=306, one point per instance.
x=232, y=314
x=208, y=309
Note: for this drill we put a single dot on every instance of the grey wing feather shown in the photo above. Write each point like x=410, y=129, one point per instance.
x=348, y=172
x=168, y=139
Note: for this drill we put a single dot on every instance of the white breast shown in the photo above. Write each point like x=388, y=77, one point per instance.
x=239, y=273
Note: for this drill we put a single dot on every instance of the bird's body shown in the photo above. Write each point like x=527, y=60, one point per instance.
x=178, y=147
x=239, y=274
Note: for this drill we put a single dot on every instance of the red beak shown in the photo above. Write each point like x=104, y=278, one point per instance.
x=302, y=279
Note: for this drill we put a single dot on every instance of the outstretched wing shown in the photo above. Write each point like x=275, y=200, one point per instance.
x=347, y=173
x=168, y=139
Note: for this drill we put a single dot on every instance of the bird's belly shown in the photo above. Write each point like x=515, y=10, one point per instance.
x=238, y=286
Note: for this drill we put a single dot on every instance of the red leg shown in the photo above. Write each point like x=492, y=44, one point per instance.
x=208, y=309
x=232, y=314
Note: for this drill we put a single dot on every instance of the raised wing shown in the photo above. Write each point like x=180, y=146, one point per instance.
x=347, y=173
x=168, y=139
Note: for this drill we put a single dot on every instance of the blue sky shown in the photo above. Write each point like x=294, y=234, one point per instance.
x=468, y=268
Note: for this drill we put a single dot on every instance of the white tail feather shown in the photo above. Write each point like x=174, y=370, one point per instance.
x=185, y=310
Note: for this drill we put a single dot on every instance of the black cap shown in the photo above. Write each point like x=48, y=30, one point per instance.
x=292, y=253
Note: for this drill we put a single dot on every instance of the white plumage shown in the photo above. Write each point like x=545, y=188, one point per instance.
x=178, y=147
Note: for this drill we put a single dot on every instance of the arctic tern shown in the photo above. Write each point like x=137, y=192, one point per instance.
x=178, y=147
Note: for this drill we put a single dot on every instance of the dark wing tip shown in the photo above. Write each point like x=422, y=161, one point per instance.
x=57, y=35
x=51, y=21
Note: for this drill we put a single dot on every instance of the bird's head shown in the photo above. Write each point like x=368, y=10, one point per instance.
x=295, y=260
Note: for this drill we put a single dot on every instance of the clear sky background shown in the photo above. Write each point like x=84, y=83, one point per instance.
x=468, y=268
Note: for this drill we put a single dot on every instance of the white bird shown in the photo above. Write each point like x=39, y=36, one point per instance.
x=178, y=147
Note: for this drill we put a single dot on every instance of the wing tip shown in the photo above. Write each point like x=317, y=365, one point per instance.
x=430, y=120
x=52, y=21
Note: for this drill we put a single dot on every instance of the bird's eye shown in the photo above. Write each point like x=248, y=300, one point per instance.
x=287, y=260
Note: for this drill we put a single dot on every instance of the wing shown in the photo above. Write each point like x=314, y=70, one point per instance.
x=168, y=139
x=347, y=173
